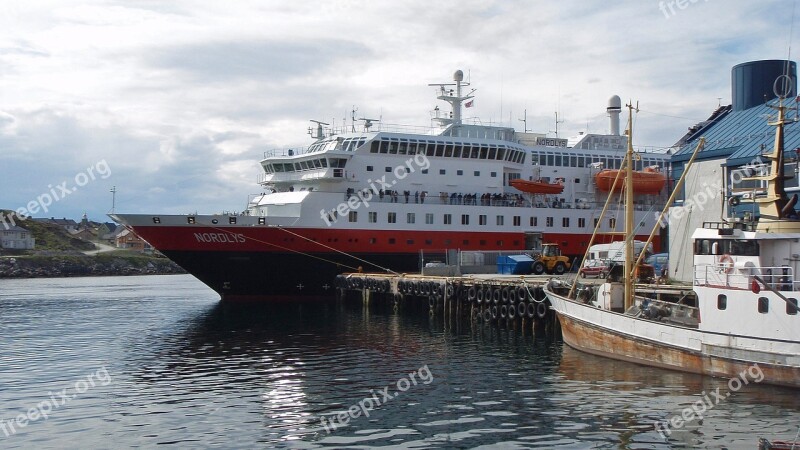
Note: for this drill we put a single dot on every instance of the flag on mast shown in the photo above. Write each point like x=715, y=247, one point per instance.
x=468, y=104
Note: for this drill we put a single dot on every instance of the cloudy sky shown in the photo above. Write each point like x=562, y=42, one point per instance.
x=175, y=102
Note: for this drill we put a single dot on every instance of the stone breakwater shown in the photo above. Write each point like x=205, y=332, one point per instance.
x=84, y=266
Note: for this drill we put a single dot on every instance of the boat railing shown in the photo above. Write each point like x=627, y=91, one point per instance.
x=299, y=177
x=508, y=200
x=379, y=126
x=780, y=278
x=294, y=151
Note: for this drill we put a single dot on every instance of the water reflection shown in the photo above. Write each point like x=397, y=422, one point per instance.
x=190, y=371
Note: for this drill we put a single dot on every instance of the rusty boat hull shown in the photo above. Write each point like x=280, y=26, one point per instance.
x=615, y=335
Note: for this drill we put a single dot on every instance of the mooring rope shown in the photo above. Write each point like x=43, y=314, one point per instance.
x=355, y=269
x=386, y=269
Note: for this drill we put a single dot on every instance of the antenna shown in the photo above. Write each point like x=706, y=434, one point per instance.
x=501, y=99
x=557, y=122
x=320, y=133
x=791, y=37
x=368, y=122
x=353, y=118
x=524, y=120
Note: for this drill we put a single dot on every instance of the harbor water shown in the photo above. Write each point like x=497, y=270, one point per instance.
x=157, y=361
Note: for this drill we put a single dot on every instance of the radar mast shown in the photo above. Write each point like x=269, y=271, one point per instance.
x=453, y=97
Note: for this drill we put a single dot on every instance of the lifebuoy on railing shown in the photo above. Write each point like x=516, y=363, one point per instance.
x=726, y=263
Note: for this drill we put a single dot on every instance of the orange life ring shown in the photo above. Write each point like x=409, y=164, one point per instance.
x=726, y=262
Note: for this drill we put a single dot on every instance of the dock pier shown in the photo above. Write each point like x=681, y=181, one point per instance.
x=514, y=301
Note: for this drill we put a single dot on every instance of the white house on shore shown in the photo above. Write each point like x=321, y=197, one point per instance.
x=17, y=238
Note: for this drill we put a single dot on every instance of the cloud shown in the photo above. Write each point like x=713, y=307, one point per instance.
x=150, y=172
x=269, y=60
x=182, y=98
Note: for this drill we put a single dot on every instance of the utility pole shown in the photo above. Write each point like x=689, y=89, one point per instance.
x=113, y=198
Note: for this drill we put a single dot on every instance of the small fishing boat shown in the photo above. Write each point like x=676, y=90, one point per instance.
x=538, y=186
x=648, y=181
x=764, y=444
x=740, y=315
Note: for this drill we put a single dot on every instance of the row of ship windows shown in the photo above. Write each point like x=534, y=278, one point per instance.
x=447, y=219
x=347, y=145
x=445, y=242
x=458, y=151
x=459, y=172
x=311, y=164
x=448, y=150
x=573, y=160
x=740, y=247
x=411, y=218
x=763, y=304
x=484, y=151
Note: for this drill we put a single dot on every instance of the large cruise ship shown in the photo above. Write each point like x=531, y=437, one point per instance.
x=372, y=197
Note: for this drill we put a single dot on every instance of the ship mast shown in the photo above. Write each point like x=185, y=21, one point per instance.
x=454, y=98
x=772, y=206
x=776, y=208
x=630, y=230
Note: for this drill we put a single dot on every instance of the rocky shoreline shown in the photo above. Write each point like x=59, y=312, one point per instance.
x=55, y=266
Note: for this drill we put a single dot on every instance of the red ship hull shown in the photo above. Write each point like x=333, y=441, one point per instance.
x=273, y=263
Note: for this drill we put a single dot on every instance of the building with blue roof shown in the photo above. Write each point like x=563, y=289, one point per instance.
x=736, y=135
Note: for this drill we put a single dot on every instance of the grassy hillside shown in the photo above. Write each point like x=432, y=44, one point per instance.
x=65, y=265
x=50, y=236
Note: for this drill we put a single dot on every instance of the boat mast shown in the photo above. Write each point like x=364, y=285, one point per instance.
x=771, y=206
x=629, y=225
x=776, y=208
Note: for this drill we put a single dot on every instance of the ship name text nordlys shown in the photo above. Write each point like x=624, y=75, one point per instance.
x=221, y=238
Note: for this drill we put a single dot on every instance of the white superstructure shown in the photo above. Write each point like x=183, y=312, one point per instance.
x=450, y=177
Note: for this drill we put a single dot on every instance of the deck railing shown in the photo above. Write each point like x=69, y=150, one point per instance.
x=780, y=278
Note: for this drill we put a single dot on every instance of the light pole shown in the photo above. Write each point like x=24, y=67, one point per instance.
x=113, y=198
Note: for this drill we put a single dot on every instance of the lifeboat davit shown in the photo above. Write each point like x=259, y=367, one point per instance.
x=648, y=181
x=537, y=187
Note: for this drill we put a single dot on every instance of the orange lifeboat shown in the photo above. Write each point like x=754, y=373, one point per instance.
x=648, y=181
x=537, y=187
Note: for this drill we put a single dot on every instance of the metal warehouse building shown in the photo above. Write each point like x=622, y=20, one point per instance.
x=736, y=136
